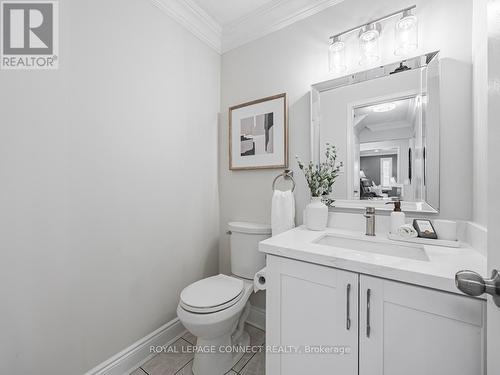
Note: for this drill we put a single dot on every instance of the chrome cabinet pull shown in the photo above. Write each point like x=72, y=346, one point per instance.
x=348, y=321
x=368, y=328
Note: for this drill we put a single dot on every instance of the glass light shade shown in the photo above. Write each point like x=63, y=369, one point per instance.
x=406, y=35
x=337, y=56
x=369, y=48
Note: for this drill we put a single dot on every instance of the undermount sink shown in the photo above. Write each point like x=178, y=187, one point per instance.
x=375, y=246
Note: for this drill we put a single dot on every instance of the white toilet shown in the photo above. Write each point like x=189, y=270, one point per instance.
x=215, y=309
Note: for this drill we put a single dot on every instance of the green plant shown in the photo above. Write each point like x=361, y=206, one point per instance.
x=321, y=177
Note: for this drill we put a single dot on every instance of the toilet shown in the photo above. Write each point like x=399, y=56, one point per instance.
x=215, y=309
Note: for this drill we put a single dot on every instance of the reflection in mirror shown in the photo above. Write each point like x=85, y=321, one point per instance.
x=384, y=134
x=385, y=125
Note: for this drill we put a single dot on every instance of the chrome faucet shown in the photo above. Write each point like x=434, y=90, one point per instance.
x=370, y=221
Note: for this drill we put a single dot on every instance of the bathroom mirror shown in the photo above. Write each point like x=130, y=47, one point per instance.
x=385, y=125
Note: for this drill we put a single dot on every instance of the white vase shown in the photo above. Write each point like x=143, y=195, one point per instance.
x=316, y=214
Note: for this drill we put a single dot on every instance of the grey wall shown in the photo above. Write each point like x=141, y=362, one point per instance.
x=480, y=133
x=293, y=58
x=107, y=166
x=371, y=166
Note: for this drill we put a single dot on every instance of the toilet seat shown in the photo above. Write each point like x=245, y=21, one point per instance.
x=212, y=294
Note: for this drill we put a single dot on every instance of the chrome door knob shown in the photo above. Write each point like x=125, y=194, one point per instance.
x=473, y=284
x=470, y=283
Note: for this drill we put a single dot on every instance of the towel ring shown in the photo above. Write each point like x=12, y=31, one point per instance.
x=287, y=175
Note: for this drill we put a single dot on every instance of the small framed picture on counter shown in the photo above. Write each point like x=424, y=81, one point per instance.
x=258, y=134
x=425, y=229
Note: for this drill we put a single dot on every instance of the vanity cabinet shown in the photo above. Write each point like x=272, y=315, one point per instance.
x=310, y=305
x=407, y=329
x=383, y=327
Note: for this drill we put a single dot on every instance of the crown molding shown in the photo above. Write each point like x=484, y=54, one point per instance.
x=272, y=17
x=196, y=20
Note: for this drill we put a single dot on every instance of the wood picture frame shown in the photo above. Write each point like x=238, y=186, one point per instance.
x=258, y=134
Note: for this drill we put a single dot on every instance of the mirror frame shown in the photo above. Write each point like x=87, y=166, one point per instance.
x=382, y=71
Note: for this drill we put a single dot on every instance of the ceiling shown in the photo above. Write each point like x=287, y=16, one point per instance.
x=402, y=116
x=228, y=24
x=228, y=11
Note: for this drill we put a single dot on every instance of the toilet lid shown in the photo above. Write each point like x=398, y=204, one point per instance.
x=212, y=294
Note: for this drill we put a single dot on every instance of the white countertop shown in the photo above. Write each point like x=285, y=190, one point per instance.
x=438, y=272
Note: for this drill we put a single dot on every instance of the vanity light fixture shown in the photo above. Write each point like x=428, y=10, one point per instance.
x=369, y=39
x=369, y=47
x=383, y=107
x=406, y=34
x=337, y=55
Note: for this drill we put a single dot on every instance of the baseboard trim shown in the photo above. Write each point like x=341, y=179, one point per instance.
x=257, y=317
x=138, y=353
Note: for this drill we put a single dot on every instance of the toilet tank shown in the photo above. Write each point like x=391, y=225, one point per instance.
x=246, y=259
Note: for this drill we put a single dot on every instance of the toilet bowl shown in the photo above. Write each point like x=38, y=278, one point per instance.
x=219, y=329
x=215, y=309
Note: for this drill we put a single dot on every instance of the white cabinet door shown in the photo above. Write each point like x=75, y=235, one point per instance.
x=310, y=307
x=410, y=330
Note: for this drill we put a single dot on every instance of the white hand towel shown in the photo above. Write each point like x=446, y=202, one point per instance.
x=407, y=231
x=282, y=211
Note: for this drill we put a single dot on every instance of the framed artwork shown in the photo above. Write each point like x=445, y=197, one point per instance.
x=258, y=134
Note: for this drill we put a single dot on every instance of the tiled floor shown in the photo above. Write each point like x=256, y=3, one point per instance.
x=180, y=363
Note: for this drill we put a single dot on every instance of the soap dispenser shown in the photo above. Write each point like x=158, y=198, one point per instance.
x=397, y=216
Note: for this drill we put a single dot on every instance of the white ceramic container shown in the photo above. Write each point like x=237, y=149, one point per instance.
x=316, y=215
